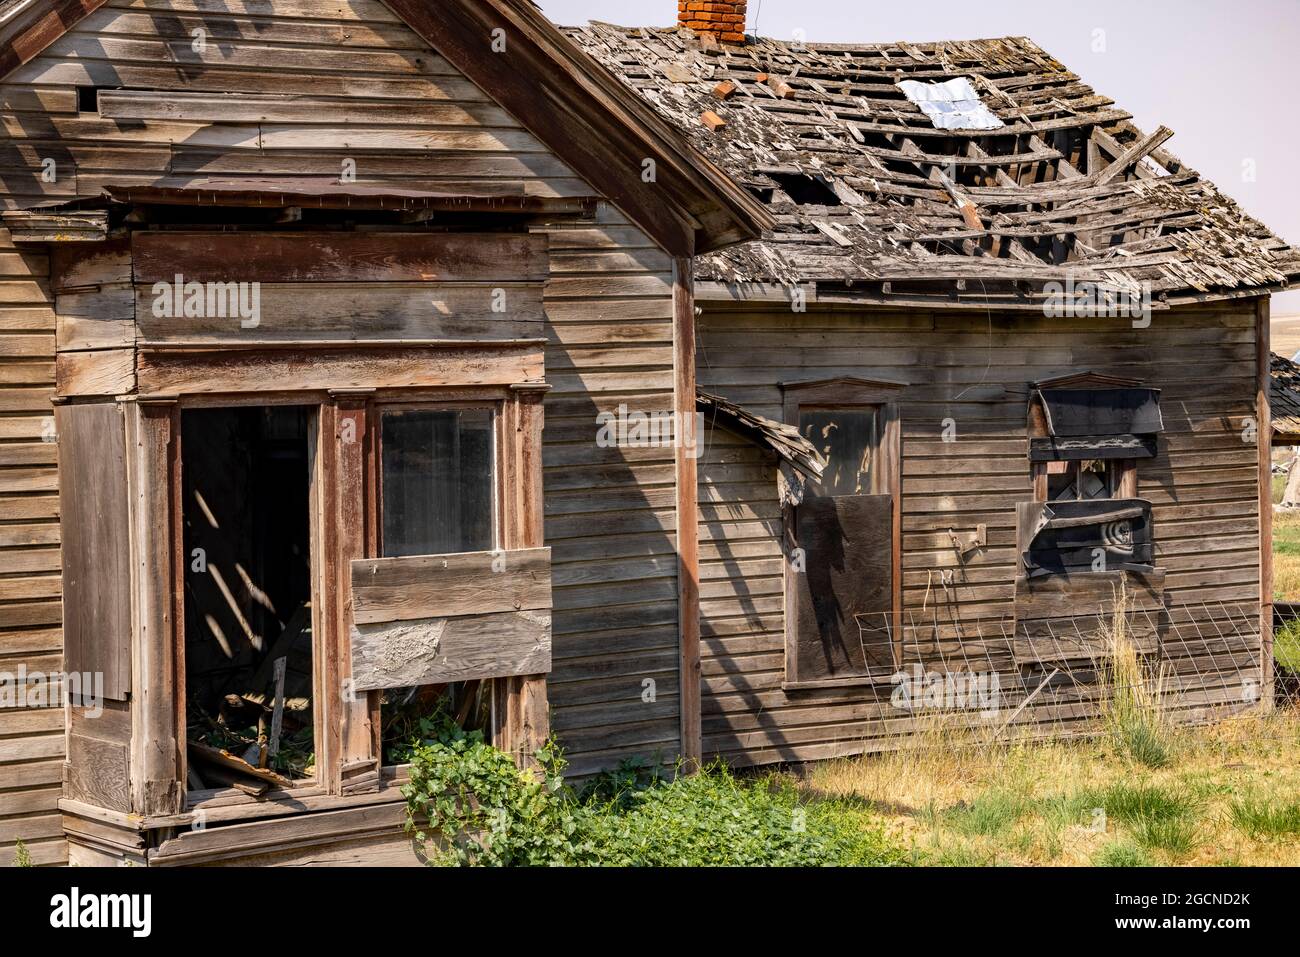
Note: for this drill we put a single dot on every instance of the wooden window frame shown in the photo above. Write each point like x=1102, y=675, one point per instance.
x=495, y=405
x=346, y=731
x=1125, y=478
x=886, y=479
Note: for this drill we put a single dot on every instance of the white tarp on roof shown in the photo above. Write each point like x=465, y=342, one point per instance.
x=953, y=105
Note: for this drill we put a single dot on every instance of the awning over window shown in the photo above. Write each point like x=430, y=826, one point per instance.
x=1098, y=424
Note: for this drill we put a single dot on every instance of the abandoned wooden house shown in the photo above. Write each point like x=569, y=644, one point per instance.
x=348, y=369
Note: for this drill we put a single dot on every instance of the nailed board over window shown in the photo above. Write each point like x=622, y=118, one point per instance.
x=844, y=597
x=95, y=528
x=430, y=619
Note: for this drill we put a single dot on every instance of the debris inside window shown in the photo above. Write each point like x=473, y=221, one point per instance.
x=405, y=713
x=1081, y=480
x=953, y=105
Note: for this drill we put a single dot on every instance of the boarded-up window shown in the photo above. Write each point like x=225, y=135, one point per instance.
x=437, y=475
x=844, y=596
x=841, y=592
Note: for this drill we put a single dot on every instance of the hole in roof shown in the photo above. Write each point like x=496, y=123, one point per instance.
x=807, y=190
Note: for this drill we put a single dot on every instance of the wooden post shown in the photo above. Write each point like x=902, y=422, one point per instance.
x=157, y=689
x=1264, y=442
x=688, y=529
x=358, y=765
x=525, y=724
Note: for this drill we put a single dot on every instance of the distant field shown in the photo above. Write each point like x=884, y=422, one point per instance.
x=1286, y=556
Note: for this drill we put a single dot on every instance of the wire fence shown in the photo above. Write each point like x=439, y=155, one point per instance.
x=1063, y=674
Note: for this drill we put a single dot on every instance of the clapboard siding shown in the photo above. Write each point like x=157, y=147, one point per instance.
x=610, y=513
x=292, y=88
x=1202, y=486
x=31, y=738
x=322, y=84
x=295, y=87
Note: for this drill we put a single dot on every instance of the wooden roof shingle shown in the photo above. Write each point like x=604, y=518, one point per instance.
x=870, y=195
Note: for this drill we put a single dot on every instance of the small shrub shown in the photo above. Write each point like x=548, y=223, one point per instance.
x=1260, y=819
x=482, y=810
x=22, y=856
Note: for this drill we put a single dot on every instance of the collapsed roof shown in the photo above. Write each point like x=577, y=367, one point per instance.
x=1284, y=400
x=875, y=200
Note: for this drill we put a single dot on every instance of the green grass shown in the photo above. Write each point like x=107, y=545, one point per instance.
x=1260, y=819
x=1121, y=854
x=1286, y=646
x=990, y=813
x=1132, y=805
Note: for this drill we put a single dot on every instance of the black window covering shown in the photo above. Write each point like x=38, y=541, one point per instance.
x=1063, y=537
x=844, y=596
x=1098, y=424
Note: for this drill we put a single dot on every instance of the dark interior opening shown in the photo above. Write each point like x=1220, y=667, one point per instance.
x=807, y=190
x=87, y=99
x=246, y=513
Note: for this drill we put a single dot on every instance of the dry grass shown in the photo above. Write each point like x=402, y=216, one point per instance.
x=1226, y=796
x=1142, y=791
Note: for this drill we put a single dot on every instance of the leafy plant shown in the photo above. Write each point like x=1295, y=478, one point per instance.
x=472, y=805
x=22, y=856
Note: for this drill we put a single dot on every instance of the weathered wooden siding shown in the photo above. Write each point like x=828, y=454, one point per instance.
x=1202, y=486
x=610, y=517
x=31, y=738
x=364, y=89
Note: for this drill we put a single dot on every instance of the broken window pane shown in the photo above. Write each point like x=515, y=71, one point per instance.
x=437, y=476
x=848, y=439
x=1081, y=481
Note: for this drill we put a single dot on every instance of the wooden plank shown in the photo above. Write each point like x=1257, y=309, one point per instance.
x=444, y=586
x=83, y=265
x=343, y=311
x=98, y=772
x=96, y=562
x=31, y=29
x=104, y=372
x=352, y=447
x=153, y=438
x=338, y=257
x=338, y=367
x=686, y=479
x=1264, y=443
x=438, y=650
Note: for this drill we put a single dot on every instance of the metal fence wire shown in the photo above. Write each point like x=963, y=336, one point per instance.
x=1190, y=662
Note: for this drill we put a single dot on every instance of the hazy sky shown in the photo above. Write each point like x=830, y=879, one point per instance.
x=1222, y=75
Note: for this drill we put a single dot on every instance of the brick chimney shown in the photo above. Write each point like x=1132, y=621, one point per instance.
x=724, y=20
